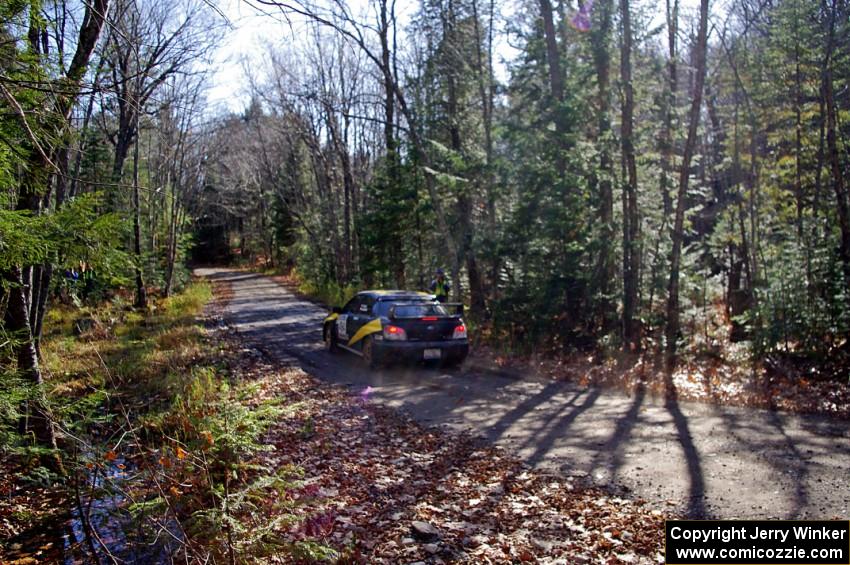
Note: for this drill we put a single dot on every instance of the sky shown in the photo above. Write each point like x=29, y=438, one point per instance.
x=250, y=34
x=253, y=31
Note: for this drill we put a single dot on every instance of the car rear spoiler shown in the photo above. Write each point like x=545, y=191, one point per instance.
x=457, y=306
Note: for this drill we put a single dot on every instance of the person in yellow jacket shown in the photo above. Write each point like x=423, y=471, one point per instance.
x=440, y=287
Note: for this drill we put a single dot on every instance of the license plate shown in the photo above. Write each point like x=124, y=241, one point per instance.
x=432, y=354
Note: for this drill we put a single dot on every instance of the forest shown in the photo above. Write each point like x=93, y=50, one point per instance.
x=634, y=177
x=629, y=181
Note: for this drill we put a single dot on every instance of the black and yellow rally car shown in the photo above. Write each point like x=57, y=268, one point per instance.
x=384, y=326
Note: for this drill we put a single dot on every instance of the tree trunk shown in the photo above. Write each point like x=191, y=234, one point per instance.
x=821, y=157
x=78, y=158
x=833, y=151
x=171, y=243
x=17, y=323
x=672, y=326
x=553, y=59
x=667, y=143
x=41, y=292
x=340, y=143
x=631, y=254
x=396, y=245
x=602, y=179
x=123, y=140
x=351, y=188
x=40, y=304
x=798, y=134
x=464, y=201
x=348, y=190
x=556, y=83
x=141, y=291
x=486, y=95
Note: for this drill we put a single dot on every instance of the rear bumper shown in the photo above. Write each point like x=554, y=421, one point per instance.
x=452, y=351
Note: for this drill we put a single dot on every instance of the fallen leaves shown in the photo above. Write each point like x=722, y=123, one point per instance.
x=387, y=490
x=776, y=384
x=27, y=515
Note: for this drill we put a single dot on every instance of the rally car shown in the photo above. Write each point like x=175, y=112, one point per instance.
x=384, y=326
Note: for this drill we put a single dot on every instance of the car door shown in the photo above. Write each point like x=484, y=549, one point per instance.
x=360, y=315
x=343, y=320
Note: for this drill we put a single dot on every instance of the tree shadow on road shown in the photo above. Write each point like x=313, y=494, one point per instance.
x=791, y=463
x=696, y=493
x=527, y=406
x=613, y=448
x=559, y=429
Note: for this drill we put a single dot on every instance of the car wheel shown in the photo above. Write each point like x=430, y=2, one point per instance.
x=331, y=339
x=369, y=353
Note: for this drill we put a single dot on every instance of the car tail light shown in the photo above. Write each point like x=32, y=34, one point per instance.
x=429, y=319
x=394, y=333
x=460, y=332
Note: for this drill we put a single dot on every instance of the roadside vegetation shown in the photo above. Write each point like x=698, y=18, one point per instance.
x=160, y=426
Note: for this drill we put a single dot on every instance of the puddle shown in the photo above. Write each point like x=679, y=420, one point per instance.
x=115, y=533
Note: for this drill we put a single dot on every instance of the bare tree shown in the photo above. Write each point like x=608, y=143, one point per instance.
x=363, y=35
x=180, y=140
x=149, y=45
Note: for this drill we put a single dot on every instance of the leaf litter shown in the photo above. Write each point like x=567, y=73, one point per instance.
x=381, y=488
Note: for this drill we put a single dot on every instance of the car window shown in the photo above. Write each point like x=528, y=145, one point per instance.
x=382, y=308
x=419, y=310
x=352, y=305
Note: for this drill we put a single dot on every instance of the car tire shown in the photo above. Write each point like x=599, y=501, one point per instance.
x=330, y=338
x=369, y=353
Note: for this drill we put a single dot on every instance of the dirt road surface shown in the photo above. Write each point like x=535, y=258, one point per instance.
x=700, y=460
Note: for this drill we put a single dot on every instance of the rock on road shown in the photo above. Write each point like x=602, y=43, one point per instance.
x=705, y=461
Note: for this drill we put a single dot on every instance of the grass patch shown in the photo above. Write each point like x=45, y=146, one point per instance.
x=188, y=304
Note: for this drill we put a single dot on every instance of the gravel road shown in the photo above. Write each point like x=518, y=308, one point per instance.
x=701, y=460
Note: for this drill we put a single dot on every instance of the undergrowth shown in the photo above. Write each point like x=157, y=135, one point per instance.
x=155, y=414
